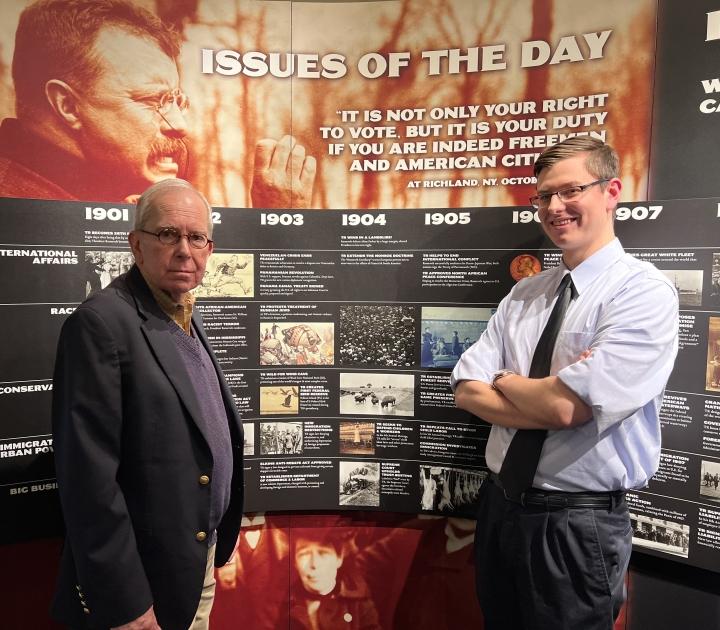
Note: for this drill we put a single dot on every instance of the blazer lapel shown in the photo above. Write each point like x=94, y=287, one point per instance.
x=159, y=337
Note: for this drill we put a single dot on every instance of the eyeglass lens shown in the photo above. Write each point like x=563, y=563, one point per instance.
x=176, y=96
x=169, y=236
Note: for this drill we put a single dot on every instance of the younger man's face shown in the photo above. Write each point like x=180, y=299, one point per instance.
x=582, y=227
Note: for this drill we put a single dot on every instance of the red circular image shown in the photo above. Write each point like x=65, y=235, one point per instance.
x=524, y=266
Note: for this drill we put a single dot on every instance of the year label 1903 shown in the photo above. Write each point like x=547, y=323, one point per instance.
x=280, y=219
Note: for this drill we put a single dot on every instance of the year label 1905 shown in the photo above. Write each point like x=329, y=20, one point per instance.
x=447, y=218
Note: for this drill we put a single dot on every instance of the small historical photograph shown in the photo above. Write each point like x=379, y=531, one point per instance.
x=449, y=331
x=377, y=335
x=357, y=438
x=715, y=286
x=101, y=268
x=360, y=483
x=710, y=480
x=228, y=276
x=688, y=283
x=377, y=394
x=654, y=533
x=449, y=490
x=248, y=438
x=281, y=438
x=278, y=400
x=297, y=343
x=712, y=374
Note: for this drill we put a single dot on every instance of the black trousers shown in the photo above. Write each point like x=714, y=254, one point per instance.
x=557, y=570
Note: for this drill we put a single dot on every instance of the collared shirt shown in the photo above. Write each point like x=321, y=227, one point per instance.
x=180, y=313
x=626, y=313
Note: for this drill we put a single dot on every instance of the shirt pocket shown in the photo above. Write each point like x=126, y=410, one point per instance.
x=569, y=347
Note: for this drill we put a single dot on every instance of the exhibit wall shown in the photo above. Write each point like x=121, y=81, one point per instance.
x=369, y=166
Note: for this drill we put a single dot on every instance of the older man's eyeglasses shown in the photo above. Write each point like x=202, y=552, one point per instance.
x=566, y=195
x=170, y=237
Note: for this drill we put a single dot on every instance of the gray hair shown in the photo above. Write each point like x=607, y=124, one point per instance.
x=146, y=203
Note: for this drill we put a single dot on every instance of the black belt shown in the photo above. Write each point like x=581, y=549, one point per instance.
x=556, y=500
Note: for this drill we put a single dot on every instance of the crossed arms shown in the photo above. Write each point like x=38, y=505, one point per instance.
x=524, y=403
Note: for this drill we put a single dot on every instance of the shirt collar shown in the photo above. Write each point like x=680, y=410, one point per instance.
x=590, y=269
x=179, y=312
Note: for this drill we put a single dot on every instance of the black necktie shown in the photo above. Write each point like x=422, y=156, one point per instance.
x=521, y=460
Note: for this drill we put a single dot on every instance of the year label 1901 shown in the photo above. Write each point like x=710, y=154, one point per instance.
x=99, y=214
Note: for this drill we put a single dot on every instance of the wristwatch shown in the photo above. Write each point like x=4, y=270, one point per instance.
x=498, y=375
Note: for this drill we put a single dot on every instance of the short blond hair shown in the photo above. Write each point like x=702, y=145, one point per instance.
x=602, y=160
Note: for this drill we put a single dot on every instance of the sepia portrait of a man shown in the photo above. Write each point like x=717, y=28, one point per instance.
x=101, y=115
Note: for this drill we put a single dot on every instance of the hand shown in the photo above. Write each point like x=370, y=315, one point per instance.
x=144, y=622
x=283, y=176
x=227, y=575
x=584, y=355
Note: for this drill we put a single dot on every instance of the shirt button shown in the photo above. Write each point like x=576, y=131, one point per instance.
x=347, y=617
x=86, y=611
x=201, y=536
x=204, y=480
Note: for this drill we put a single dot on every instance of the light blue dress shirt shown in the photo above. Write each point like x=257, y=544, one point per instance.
x=626, y=313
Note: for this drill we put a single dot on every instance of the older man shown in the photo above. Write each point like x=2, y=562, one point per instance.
x=100, y=113
x=570, y=372
x=148, y=442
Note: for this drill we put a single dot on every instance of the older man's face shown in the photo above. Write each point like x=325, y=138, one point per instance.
x=123, y=137
x=177, y=268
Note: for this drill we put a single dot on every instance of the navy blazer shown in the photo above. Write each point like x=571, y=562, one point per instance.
x=130, y=449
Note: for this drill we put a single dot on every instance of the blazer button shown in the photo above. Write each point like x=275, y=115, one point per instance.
x=201, y=536
x=204, y=480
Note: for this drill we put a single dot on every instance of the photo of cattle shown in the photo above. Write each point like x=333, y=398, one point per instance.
x=276, y=400
x=449, y=331
x=357, y=438
x=297, y=343
x=364, y=393
x=281, y=438
x=228, y=275
x=248, y=438
x=360, y=483
x=377, y=335
x=450, y=490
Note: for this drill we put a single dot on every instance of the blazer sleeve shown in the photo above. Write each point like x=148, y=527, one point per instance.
x=87, y=430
